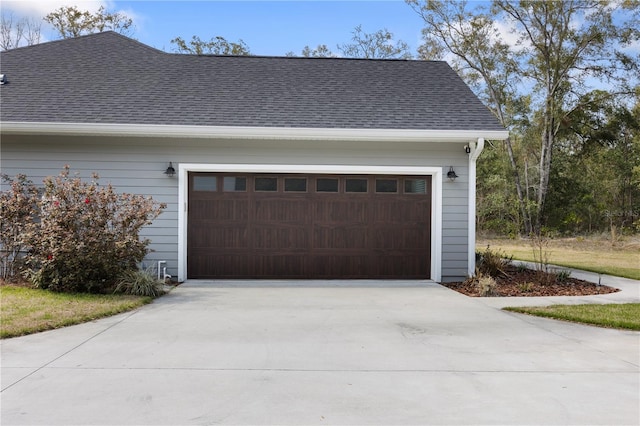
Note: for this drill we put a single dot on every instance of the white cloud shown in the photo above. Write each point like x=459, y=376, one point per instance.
x=40, y=8
x=506, y=33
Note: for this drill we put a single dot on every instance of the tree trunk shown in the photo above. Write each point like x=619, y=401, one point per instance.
x=545, y=169
x=516, y=177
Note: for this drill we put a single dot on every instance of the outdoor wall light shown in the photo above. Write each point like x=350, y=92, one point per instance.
x=170, y=170
x=451, y=174
x=467, y=149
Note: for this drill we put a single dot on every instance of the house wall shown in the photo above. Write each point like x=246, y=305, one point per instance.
x=136, y=165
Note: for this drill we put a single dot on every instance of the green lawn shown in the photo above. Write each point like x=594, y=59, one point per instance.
x=623, y=316
x=26, y=310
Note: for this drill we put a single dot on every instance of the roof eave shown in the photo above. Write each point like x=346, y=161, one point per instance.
x=237, y=132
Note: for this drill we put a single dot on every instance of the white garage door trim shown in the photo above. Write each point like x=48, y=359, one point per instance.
x=436, y=197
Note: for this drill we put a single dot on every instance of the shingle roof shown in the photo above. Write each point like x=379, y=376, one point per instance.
x=108, y=78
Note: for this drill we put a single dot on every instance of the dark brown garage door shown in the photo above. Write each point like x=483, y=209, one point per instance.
x=308, y=226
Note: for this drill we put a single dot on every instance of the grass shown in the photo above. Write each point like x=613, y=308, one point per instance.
x=588, y=255
x=27, y=310
x=622, y=316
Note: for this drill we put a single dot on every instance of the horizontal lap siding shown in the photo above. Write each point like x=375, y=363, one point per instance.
x=136, y=165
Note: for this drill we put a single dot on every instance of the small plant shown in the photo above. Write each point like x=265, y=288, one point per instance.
x=525, y=287
x=487, y=286
x=493, y=263
x=139, y=282
x=563, y=275
x=540, y=246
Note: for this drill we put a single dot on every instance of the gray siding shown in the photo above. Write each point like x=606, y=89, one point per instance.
x=136, y=165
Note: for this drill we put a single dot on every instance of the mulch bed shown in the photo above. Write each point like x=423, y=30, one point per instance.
x=518, y=282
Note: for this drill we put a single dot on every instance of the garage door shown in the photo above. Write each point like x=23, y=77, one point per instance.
x=308, y=226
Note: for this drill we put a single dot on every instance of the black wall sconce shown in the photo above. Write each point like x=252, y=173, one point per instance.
x=451, y=174
x=170, y=170
x=467, y=149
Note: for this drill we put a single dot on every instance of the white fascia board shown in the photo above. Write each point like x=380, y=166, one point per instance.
x=233, y=132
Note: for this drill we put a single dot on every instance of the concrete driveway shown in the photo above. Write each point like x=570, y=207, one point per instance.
x=405, y=353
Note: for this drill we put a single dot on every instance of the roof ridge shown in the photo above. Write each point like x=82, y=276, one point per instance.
x=337, y=58
x=109, y=33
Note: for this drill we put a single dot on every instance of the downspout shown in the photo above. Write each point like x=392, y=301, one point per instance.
x=476, y=150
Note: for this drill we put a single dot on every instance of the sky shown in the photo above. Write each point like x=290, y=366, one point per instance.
x=267, y=27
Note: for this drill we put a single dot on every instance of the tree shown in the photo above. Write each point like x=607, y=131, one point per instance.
x=484, y=62
x=562, y=46
x=595, y=185
x=322, y=51
x=560, y=56
x=71, y=22
x=18, y=32
x=216, y=46
x=377, y=45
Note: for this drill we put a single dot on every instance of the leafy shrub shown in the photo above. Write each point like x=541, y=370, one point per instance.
x=493, y=263
x=139, y=283
x=17, y=213
x=87, y=235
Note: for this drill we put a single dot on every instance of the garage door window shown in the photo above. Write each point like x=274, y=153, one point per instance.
x=234, y=184
x=266, y=184
x=356, y=185
x=295, y=185
x=326, y=185
x=205, y=183
x=386, y=185
x=415, y=186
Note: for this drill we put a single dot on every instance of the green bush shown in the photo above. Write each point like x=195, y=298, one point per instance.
x=563, y=275
x=139, y=283
x=87, y=235
x=492, y=263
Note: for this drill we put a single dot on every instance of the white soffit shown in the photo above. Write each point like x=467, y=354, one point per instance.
x=230, y=132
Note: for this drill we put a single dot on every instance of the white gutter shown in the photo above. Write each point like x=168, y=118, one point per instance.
x=233, y=132
x=476, y=150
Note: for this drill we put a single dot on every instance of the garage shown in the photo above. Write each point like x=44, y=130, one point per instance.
x=308, y=226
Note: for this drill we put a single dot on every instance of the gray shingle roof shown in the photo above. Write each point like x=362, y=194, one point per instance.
x=108, y=78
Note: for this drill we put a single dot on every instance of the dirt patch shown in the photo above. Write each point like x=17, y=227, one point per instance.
x=16, y=282
x=518, y=282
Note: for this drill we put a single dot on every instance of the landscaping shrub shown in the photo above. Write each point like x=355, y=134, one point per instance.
x=17, y=213
x=87, y=235
x=140, y=283
x=492, y=263
x=487, y=286
x=563, y=275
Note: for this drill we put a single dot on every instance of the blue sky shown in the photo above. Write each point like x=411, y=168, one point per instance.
x=267, y=27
